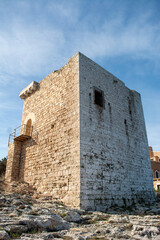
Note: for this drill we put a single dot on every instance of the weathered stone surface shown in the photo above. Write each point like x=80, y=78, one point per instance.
x=89, y=146
x=73, y=216
x=29, y=222
x=44, y=236
x=51, y=223
x=4, y=235
x=19, y=229
x=134, y=223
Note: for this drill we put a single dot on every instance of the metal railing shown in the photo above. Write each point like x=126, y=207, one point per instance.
x=19, y=131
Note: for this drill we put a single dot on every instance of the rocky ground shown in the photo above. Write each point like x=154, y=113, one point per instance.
x=25, y=215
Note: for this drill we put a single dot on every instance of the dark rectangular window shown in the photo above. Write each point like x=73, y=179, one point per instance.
x=99, y=97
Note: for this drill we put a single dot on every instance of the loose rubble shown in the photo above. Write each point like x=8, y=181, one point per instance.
x=25, y=218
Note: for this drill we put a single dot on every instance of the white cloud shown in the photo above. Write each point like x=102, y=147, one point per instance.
x=36, y=48
x=137, y=39
x=27, y=51
x=64, y=10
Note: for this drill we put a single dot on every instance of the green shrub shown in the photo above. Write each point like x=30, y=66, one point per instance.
x=3, y=163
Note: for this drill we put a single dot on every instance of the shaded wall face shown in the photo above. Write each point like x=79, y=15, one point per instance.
x=115, y=164
x=50, y=160
x=13, y=160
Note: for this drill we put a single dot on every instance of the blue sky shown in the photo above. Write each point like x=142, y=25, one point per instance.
x=38, y=36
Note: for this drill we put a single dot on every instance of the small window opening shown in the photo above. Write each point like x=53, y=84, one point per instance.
x=130, y=108
x=99, y=97
x=109, y=105
x=126, y=126
x=156, y=173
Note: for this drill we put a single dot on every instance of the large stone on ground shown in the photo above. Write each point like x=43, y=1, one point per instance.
x=16, y=229
x=73, y=216
x=29, y=222
x=4, y=235
x=52, y=223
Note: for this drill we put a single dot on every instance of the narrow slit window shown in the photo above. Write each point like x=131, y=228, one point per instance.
x=156, y=173
x=99, y=97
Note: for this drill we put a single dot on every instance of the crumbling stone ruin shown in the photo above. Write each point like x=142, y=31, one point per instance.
x=82, y=139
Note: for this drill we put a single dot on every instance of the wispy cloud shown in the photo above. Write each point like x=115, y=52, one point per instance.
x=31, y=48
x=138, y=38
x=25, y=51
x=64, y=11
x=34, y=45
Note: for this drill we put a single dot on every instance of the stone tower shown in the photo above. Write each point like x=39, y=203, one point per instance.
x=82, y=139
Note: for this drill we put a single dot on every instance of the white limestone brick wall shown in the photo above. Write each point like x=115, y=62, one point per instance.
x=115, y=164
x=50, y=160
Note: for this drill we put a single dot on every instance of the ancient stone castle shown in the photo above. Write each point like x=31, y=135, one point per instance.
x=82, y=139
